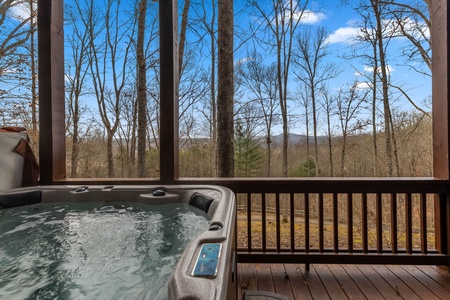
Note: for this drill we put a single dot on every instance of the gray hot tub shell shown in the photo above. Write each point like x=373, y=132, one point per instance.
x=218, y=202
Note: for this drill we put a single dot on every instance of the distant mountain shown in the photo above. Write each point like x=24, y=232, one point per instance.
x=295, y=138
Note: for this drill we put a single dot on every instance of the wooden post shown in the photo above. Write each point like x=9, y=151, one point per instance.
x=168, y=135
x=441, y=118
x=52, y=148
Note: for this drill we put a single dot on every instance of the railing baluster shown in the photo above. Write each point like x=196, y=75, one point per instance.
x=423, y=223
x=278, y=221
x=292, y=224
x=249, y=221
x=306, y=222
x=269, y=201
x=441, y=207
x=408, y=220
x=264, y=222
x=379, y=225
x=394, y=223
x=321, y=221
x=365, y=242
x=335, y=223
x=350, y=222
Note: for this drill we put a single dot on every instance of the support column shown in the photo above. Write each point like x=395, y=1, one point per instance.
x=168, y=135
x=52, y=147
x=441, y=118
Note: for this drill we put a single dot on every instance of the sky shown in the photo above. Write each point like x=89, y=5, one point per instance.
x=341, y=23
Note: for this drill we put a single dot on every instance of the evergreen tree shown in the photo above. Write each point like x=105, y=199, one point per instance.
x=247, y=155
x=302, y=171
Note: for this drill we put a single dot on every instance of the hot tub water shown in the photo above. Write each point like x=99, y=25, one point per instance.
x=92, y=250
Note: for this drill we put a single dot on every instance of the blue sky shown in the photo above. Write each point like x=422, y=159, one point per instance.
x=341, y=22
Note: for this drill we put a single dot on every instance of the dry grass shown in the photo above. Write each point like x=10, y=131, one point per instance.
x=299, y=235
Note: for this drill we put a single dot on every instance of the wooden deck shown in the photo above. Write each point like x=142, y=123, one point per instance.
x=345, y=281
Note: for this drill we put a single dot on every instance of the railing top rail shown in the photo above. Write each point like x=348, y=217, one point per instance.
x=327, y=185
x=297, y=185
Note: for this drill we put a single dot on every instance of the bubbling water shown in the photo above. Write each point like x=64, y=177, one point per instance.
x=93, y=251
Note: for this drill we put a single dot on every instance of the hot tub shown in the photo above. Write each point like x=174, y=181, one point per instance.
x=206, y=268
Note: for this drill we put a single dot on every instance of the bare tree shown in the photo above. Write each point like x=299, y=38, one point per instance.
x=282, y=19
x=328, y=103
x=183, y=30
x=349, y=102
x=370, y=57
x=17, y=54
x=313, y=71
x=141, y=88
x=76, y=73
x=304, y=101
x=192, y=90
x=262, y=83
x=33, y=64
x=412, y=21
x=206, y=19
x=127, y=133
x=383, y=75
x=377, y=32
x=109, y=43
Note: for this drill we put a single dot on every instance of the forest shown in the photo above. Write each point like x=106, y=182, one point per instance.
x=320, y=88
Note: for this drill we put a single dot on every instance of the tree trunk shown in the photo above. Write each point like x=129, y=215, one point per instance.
x=225, y=95
x=328, y=104
x=141, y=89
x=34, y=95
x=314, y=113
x=184, y=21
x=212, y=85
x=109, y=153
x=374, y=113
x=385, y=87
x=75, y=141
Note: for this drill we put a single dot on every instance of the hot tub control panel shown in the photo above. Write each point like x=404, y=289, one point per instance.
x=207, y=260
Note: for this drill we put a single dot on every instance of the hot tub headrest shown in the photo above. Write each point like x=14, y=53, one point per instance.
x=20, y=199
x=201, y=201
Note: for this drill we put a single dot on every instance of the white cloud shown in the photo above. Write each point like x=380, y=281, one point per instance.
x=67, y=78
x=343, y=35
x=390, y=69
x=309, y=17
x=412, y=27
x=368, y=69
x=19, y=12
x=242, y=61
x=352, y=32
x=8, y=71
x=303, y=16
x=362, y=85
x=353, y=22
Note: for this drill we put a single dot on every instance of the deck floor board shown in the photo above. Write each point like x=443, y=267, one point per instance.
x=345, y=281
x=298, y=284
x=334, y=289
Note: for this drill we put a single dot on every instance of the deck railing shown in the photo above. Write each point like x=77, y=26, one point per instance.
x=361, y=221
